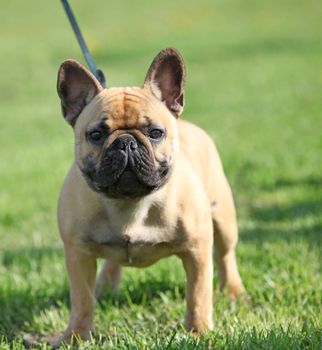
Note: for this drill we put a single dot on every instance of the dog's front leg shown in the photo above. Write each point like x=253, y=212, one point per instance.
x=81, y=269
x=199, y=270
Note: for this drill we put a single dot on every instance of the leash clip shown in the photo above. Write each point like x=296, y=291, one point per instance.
x=88, y=57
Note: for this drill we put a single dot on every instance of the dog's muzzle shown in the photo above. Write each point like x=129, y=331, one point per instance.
x=126, y=169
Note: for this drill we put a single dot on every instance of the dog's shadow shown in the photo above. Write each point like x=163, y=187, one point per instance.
x=143, y=292
x=304, y=210
x=21, y=298
x=22, y=301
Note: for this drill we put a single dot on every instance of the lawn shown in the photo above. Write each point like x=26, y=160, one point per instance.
x=254, y=84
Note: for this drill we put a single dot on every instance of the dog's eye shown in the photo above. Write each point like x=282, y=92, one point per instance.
x=95, y=136
x=156, y=134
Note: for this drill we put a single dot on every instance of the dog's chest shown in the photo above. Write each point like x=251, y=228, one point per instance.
x=131, y=244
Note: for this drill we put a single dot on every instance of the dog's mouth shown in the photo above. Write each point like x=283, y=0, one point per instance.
x=128, y=184
x=121, y=173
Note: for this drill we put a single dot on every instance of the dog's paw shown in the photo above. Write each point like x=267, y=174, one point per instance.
x=236, y=290
x=74, y=337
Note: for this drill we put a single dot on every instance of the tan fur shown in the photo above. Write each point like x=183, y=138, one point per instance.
x=191, y=211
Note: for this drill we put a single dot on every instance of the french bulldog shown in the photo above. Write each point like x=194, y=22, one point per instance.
x=144, y=185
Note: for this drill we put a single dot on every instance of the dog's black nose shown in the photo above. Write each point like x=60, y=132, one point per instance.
x=124, y=142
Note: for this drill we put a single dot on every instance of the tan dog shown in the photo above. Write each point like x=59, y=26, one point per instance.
x=144, y=185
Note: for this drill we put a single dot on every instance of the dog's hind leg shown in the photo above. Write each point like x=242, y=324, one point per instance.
x=108, y=279
x=225, y=241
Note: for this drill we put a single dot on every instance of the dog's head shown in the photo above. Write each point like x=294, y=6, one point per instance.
x=125, y=138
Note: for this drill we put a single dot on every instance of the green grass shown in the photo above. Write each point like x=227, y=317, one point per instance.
x=254, y=83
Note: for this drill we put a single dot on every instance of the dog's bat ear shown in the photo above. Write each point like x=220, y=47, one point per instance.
x=76, y=87
x=166, y=78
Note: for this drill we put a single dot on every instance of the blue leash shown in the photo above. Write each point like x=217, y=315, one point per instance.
x=88, y=57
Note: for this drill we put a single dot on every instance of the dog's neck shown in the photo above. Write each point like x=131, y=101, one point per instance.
x=129, y=212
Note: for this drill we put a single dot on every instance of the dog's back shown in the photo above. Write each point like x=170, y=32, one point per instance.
x=201, y=152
